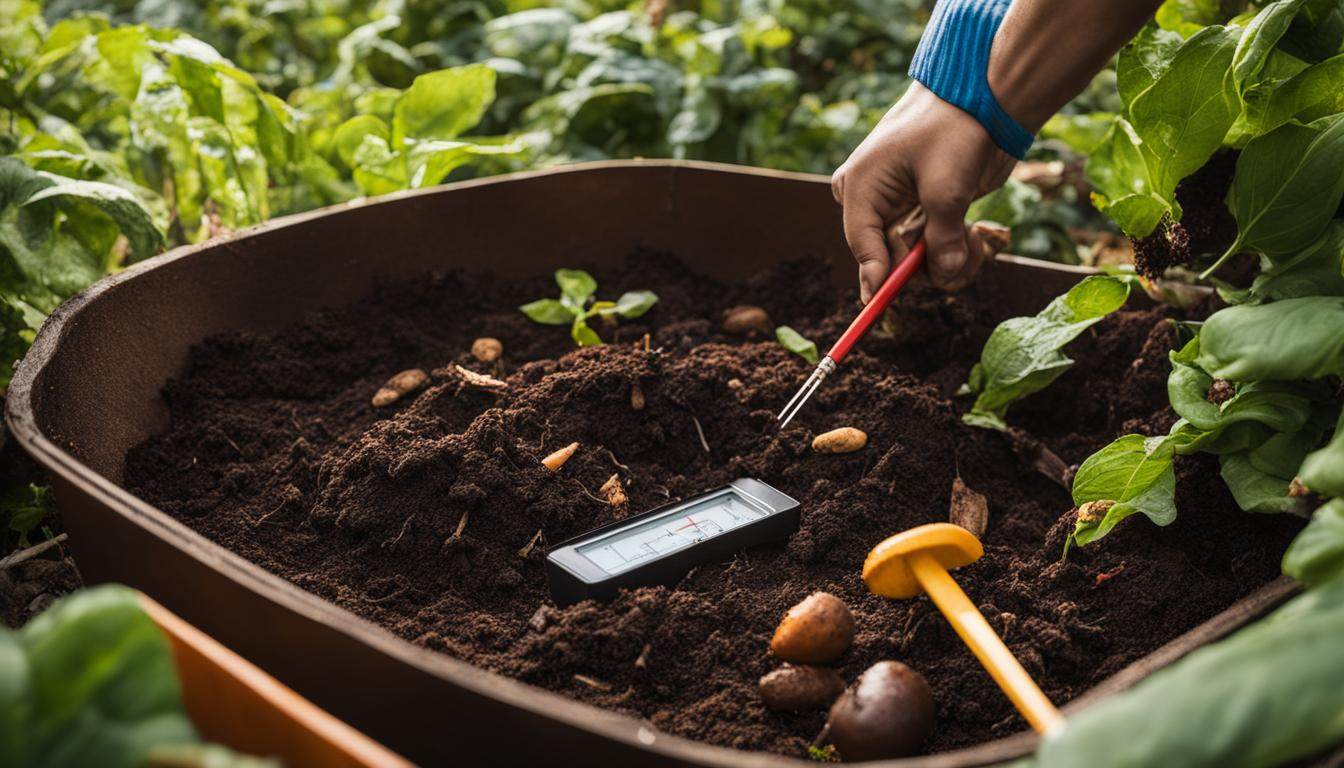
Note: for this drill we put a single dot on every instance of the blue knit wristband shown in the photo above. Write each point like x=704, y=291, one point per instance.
x=952, y=60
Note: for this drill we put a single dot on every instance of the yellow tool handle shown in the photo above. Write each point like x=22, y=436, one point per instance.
x=964, y=617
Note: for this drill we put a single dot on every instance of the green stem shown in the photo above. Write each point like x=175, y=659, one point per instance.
x=1229, y=253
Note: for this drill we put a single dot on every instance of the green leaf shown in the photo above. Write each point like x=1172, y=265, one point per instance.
x=377, y=169
x=1315, y=271
x=23, y=507
x=583, y=335
x=98, y=686
x=634, y=304
x=1287, y=188
x=443, y=104
x=1282, y=341
x=576, y=287
x=548, y=312
x=1313, y=93
x=1323, y=470
x=1257, y=491
x=1266, y=696
x=1182, y=117
x=1008, y=205
x=1259, y=39
x=1136, y=474
x=1317, y=553
x=1143, y=60
x=797, y=344
x=125, y=209
x=1124, y=190
x=1023, y=356
x=350, y=134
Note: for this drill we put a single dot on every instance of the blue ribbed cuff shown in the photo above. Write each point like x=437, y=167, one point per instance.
x=952, y=60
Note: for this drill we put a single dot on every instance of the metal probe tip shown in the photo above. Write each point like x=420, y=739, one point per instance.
x=813, y=383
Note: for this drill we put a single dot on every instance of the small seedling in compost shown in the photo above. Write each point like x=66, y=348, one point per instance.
x=888, y=713
x=795, y=687
x=842, y=440
x=796, y=343
x=576, y=306
x=486, y=349
x=817, y=630
x=746, y=320
x=398, y=386
x=557, y=459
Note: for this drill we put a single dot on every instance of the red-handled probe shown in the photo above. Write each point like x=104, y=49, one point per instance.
x=857, y=329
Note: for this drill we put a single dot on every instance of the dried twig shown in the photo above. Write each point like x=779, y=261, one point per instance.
x=405, y=526
x=592, y=683
x=461, y=526
x=701, y=432
x=31, y=552
x=527, y=550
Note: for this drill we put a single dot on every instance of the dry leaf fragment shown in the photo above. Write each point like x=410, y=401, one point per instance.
x=402, y=384
x=1094, y=511
x=479, y=379
x=969, y=509
x=614, y=492
x=487, y=349
x=557, y=459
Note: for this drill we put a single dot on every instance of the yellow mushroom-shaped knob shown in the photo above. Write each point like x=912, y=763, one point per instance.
x=887, y=570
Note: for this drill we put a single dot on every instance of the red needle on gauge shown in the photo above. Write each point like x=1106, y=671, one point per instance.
x=857, y=329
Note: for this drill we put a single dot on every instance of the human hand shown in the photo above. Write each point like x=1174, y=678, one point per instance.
x=924, y=154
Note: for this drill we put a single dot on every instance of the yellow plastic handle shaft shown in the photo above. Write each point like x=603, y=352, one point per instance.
x=964, y=617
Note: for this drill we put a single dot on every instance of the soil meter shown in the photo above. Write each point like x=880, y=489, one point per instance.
x=661, y=545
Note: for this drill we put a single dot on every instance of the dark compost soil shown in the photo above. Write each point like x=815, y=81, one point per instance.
x=275, y=452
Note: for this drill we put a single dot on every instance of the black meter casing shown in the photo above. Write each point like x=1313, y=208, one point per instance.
x=573, y=577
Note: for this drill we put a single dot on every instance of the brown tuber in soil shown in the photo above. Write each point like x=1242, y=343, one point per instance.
x=274, y=452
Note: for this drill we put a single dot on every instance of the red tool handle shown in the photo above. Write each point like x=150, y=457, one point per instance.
x=875, y=307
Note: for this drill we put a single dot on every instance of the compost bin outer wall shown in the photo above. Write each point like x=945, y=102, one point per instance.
x=109, y=352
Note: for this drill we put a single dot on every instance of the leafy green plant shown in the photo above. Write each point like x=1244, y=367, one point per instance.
x=91, y=681
x=796, y=343
x=574, y=309
x=1266, y=83
x=1023, y=354
x=422, y=144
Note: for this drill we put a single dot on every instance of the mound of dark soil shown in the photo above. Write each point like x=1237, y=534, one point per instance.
x=275, y=452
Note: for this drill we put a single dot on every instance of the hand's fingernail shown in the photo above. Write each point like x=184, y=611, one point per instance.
x=947, y=263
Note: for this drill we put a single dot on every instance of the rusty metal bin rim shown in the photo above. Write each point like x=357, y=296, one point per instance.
x=20, y=415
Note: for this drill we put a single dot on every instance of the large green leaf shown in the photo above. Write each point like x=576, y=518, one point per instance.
x=1259, y=39
x=1023, y=354
x=1317, y=554
x=1323, y=470
x=1282, y=341
x=91, y=682
x=443, y=104
x=1264, y=697
x=1287, y=187
x=1314, y=271
x=1183, y=116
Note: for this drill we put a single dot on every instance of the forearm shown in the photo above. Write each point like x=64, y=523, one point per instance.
x=1046, y=51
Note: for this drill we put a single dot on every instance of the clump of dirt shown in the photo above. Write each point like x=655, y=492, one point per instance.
x=429, y=515
x=1206, y=226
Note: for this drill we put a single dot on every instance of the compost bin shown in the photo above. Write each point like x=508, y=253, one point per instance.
x=90, y=387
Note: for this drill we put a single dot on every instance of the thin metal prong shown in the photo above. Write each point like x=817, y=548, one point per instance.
x=805, y=393
x=799, y=393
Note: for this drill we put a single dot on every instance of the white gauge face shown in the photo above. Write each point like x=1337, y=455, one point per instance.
x=679, y=528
